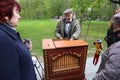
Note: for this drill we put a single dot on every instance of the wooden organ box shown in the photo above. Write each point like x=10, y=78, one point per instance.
x=64, y=59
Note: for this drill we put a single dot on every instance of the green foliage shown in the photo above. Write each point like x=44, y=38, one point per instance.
x=93, y=8
x=35, y=9
x=58, y=6
x=36, y=30
x=84, y=9
x=41, y=9
x=97, y=29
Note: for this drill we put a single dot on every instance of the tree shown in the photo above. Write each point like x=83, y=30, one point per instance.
x=81, y=9
x=35, y=9
x=84, y=9
x=58, y=6
x=92, y=9
x=115, y=1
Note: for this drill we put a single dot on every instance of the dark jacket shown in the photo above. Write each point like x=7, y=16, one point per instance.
x=112, y=36
x=109, y=37
x=15, y=58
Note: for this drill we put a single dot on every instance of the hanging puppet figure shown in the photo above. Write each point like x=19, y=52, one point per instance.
x=98, y=47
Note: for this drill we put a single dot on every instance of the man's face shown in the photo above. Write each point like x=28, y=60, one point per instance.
x=68, y=16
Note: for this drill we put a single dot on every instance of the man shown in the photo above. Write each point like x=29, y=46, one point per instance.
x=68, y=27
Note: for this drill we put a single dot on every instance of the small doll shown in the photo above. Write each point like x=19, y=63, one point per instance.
x=98, y=47
x=28, y=43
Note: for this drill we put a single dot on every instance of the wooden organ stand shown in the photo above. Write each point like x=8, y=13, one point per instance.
x=64, y=59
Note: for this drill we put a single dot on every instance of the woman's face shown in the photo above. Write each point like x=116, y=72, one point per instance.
x=117, y=11
x=15, y=18
x=116, y=28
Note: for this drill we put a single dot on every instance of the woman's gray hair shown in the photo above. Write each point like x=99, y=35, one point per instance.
x=116, y=19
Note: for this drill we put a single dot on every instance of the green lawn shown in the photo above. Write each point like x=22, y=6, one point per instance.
x=97, y=29
x=36, y=30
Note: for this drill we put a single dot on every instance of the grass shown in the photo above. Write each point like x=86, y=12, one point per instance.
x=97, y=29
x=36, y=30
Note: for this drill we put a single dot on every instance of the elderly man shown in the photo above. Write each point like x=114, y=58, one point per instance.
x=68, y=27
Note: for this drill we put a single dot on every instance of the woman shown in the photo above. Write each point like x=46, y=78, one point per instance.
x=109, y=37
x=15, y=59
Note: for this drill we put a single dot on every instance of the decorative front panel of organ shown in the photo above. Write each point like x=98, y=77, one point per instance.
x=64, y=59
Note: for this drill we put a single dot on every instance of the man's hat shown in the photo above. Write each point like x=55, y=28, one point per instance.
x=68, y=11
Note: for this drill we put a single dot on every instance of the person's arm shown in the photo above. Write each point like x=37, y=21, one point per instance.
x=57, y=31
x=76, y=33
x=112, y=66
